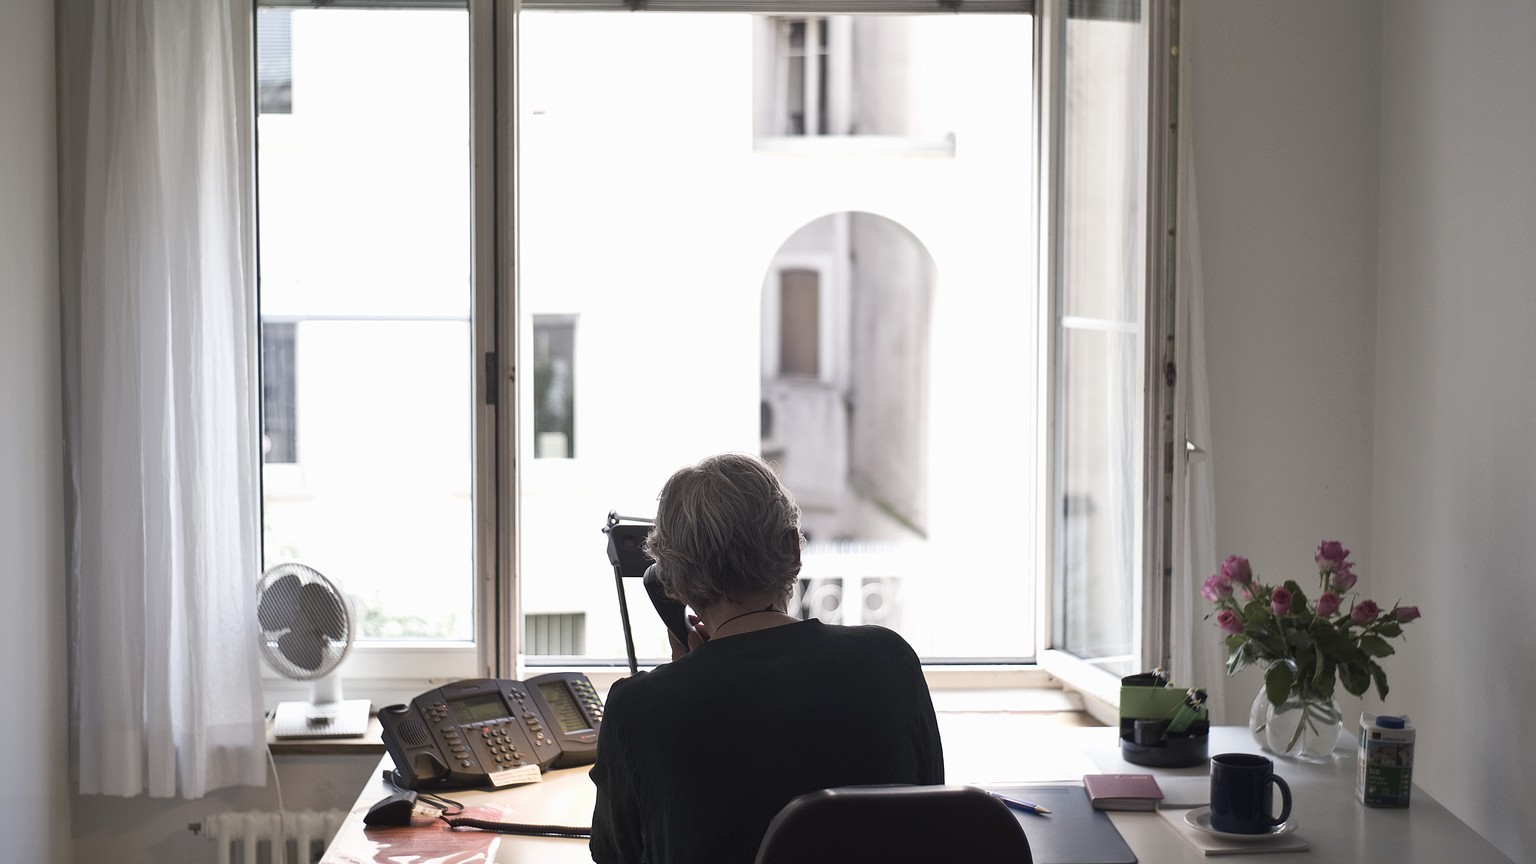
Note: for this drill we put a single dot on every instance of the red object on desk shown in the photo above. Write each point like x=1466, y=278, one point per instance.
x=423, y=840
x=1122, y=791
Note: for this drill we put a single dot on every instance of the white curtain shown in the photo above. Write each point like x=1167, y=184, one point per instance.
x=1196, y=652
x=160, y=377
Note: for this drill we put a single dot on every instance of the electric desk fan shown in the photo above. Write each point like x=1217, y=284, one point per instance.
x=306, y=631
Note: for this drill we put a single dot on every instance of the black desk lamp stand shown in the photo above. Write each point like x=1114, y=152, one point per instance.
x=626, y=552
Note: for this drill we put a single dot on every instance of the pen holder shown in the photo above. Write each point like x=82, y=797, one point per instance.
x=1167, y=750
x=1162, y=726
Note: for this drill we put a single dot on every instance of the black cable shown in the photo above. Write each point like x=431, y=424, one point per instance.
x=449, y=806
x=520, y=828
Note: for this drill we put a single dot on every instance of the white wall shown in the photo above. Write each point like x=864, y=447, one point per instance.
x=31, y=487
x=1368, y=224
x=1455, y=458
x=1285, y=131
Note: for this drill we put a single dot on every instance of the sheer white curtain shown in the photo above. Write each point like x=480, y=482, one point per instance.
x=1196, y=650
x=160, y=378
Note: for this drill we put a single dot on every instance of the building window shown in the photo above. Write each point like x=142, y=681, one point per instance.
x=279, y=438
x=804, y=84
x=799, y=322
x=557, y=634
x=554, y=386
x=274, y=61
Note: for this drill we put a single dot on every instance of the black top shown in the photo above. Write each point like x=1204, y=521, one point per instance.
x=695, y=758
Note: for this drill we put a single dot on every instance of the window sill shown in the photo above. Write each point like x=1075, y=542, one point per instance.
x=1098, y=689
x=855, y=145
x=960, y=689
x=371, y=744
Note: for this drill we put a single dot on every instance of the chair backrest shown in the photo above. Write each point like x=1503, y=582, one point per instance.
x=895, y=825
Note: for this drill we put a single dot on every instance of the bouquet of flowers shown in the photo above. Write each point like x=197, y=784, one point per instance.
x=1308, y=645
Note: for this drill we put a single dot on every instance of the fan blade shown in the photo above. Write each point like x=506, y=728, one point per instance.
x=305, y=650
x=323, y=612
x=279, y=603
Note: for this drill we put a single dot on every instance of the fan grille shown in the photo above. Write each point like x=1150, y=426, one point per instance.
x=306, y=628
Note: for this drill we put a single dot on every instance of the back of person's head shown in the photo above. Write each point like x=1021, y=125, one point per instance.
x=726, y=527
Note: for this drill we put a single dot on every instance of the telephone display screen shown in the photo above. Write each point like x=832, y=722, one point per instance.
x=478, y=708
x=567, y=714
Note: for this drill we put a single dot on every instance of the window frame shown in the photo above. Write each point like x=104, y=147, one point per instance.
x=388, y=671
x=1162, y=423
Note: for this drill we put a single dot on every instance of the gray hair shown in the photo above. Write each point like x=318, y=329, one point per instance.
x=725, y=527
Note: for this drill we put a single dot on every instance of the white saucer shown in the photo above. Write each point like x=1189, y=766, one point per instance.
x=1200, y=820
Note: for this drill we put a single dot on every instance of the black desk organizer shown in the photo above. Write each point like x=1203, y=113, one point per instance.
x=1147, y=742
x=1148, y=707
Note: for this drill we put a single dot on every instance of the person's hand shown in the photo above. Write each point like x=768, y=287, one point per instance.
x=698, y=634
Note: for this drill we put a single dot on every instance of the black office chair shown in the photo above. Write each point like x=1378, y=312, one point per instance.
x=895, y=825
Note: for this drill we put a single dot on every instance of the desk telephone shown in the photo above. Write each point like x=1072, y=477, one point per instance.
x=476, y=732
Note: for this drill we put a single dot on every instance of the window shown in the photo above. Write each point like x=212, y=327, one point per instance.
x=365, y=299
x=560, y=634
x=843, y=289
x=800, y=322
x=865, y=314
x=279, y=438
x=274, y=61
x=802, y=79
x=1100, y=339
x=554, y=387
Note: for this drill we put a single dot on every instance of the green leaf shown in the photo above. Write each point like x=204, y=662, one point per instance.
x=1240, y=653
x=1271, y=644
x=1381, y=680
x=1325, y=676
x=1376, y=646
x=1356, y=677
x=1298, y=596
x=1390, y=629
x=1278, y=680
x=1329, y=640
x=1300, y=640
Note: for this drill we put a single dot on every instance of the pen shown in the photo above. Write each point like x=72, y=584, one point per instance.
x=1018, y=804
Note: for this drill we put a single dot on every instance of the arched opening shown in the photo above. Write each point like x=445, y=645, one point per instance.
x=845, y=382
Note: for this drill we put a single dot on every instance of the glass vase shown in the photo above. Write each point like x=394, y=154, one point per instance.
x=1304, y=726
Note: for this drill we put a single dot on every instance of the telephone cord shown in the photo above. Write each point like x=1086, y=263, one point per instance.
x=519, y=828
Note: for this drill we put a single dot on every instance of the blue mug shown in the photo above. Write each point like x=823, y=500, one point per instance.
x=1241, y=800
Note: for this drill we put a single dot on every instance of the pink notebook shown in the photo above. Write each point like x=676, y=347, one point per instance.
x=1122, y=791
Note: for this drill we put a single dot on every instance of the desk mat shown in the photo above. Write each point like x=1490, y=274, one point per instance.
x=1073, y=832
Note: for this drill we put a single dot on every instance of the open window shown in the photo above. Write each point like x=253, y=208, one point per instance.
x=523, y=263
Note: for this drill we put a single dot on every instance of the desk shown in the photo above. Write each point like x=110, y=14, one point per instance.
x=980, y=749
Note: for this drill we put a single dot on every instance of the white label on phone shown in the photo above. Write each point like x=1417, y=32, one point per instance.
x=516, y=776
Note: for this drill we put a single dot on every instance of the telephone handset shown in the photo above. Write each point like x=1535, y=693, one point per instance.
x=480, y=731
x=672, y=613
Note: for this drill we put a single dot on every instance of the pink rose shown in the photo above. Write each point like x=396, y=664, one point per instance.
x=1216, y=587
x=1237, y=570
x=1345, y=578
x=1330, y=554
x=1280, y=601
x=1327, y=604
x=1364, y=612
x=1229, y=622
x=1406, y=613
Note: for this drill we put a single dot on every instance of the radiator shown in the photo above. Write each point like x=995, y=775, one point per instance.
x=271, y=837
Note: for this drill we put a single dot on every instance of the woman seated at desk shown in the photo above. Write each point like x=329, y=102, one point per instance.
x=696, y=757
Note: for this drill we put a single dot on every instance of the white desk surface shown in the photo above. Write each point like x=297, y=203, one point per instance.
x=987, y=748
